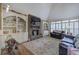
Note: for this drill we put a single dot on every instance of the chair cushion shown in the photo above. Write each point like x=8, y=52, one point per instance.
x=67, y=40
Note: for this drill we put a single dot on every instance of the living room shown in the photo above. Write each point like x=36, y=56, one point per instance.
x=39, y=28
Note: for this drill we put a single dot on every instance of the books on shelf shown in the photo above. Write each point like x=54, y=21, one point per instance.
x=12, y=25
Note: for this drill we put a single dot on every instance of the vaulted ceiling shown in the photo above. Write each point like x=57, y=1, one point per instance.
x=47, y=10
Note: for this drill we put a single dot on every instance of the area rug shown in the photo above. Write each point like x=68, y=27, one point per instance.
x=43, y=46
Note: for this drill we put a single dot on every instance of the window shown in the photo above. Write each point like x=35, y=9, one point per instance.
x=76, y=28
x=63, y=26
x=67, y=26
x=71, y=27
x=52, y=26
x=57, y=26
x=60, y=26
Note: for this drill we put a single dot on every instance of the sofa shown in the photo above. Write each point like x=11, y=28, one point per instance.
x=57, y=34
x=66, y=42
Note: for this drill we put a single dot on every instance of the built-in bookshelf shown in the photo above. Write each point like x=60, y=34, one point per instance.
x=34, y=27
x=21, y=25
x=13, y=24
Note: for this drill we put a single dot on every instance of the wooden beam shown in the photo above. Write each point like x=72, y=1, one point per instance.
x=16, y=12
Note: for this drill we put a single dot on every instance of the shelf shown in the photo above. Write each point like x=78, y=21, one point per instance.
x=8, y=26
x=13, y=25
x=34, y=26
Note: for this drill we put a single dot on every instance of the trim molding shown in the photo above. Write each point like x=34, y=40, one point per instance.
x=16, y=12
x=62, y=19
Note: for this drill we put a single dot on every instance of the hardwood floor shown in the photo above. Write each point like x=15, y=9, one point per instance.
x=23, y=50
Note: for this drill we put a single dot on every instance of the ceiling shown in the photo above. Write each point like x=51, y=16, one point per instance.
x=46, y=11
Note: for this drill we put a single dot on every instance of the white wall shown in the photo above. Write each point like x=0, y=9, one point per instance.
x=38, y=9
x=47, y=10
x=64, y=10
x=19, y=37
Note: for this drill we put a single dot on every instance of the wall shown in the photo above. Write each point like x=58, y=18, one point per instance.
x=0, y=26
x=38, y=9
x=64, y=10
x=0, y=16
x=19, y=37
x=47, y=10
